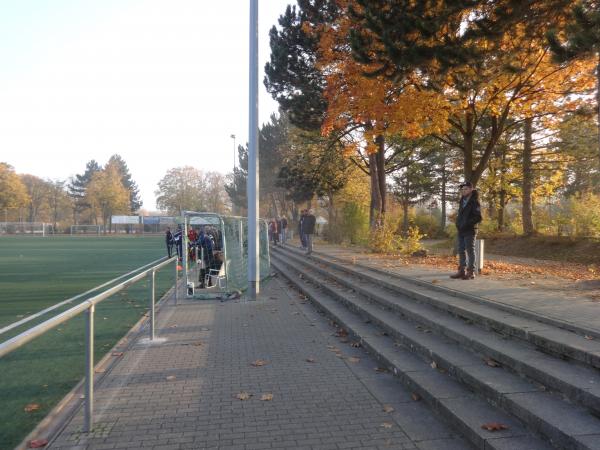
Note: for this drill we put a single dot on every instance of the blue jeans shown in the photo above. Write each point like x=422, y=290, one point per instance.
x=466, y=250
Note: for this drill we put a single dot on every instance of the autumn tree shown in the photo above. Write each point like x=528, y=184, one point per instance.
x=135, y=203
x=485, y=73
x=190, y=189
x=37, y=191
x=59, y=202
x=106, y=195
x=13, y=193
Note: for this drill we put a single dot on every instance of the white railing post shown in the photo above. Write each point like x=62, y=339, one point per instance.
x=88, y=423
x=479, y=255
x=152, y=275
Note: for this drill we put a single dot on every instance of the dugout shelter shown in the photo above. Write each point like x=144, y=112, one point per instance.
x=225, y=270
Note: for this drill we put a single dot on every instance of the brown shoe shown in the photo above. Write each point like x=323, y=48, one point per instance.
x=470, y=275
x=460, y=275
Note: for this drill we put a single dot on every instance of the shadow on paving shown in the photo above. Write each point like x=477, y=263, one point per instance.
x=183, y=393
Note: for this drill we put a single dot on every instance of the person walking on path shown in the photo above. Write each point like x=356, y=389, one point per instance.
x=467, y=219
x=308, y=228
x=300, y=230
x=169, y=241
x=283, y=230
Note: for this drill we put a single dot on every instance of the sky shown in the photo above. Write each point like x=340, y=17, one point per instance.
x=162, y=83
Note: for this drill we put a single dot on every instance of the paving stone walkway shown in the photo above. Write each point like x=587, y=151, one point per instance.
x=181, y=393
x=573, y=309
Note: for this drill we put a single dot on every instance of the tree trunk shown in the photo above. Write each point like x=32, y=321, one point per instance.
x=375, y=207
x=501, y=209
x=380, y=140
x=502, y=201
x=527, y=209
x=405, y=205
x=468, y=148
x=443, y=194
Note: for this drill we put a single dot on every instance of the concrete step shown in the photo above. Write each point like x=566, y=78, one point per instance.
x=549, y=336
x=447, y=397
x=579, y=383
x=564, y=431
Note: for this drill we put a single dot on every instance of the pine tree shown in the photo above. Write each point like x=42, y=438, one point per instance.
x=77, y=189
x=135, y=203
x=582, y=40
x=291, y=75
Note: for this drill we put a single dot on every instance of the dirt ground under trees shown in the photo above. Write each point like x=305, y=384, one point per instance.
x=569, y=267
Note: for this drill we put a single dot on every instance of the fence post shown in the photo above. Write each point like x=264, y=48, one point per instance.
x=88, y=423
x=152, y=298
x=479, y=247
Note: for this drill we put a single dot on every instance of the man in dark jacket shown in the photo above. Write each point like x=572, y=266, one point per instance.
x=308, y=228
x=301, y=234
x=169, y=241
x=469, y=215
x=178, y=242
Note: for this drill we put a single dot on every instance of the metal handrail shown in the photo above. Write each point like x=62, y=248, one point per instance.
x=89, y=306
x=72, y=299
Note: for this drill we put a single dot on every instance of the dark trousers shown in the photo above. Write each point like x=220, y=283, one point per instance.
x=466, y=250
x=169, y=249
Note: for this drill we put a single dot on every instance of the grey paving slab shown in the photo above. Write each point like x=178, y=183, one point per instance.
x=183, y=393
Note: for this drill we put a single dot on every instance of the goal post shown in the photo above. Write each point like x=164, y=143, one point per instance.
x=94, y=230
x=26, y=228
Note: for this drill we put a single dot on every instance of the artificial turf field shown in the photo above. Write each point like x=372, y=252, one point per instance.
x=37, y=272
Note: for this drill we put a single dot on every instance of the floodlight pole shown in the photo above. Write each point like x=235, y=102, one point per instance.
x=252, y=188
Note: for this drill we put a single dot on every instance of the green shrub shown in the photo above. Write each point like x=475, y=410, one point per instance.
x=354, y=225
x=428, y=224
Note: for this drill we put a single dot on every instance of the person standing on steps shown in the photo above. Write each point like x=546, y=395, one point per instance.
x=308, y=228
x=467, y=219
x=284, y=225
x=300, y=229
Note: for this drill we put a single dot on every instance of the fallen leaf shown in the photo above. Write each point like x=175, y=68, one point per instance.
x=259, y=363
x=37, y=443
x=380, y=369
x=243, y=396
x=492, y=362
x=388, y=408
x=311, y=360
x=266, y=397
x=117, y=353
x=588, y=337
x=356, y=344
x=494, y=426
x=100, y=370
x=386, y=425
x=435, y=281
x=31, y=407
x=433, y=365
x=341, y=333
x=171, y=378
x=353, y=359
x=197, y=344
x=416, y=397
x=173, y=326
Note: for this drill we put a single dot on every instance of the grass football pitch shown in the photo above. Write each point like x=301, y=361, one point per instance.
x=37, y=272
